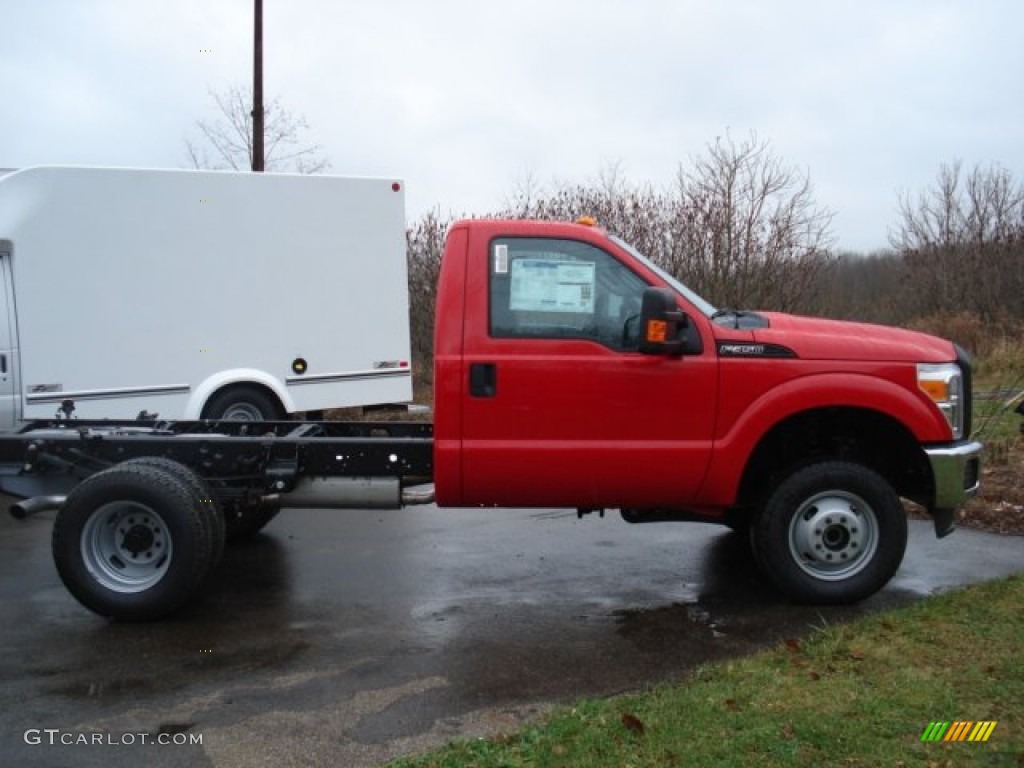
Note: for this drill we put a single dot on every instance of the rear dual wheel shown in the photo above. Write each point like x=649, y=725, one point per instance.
x=213, y=517
x=134, y=542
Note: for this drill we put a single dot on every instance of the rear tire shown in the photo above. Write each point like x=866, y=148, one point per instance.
x=132, y=543
x=833, y=532
x=213, y=517
x=244, y=403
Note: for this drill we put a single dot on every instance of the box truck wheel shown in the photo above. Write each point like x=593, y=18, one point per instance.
x=213, y=517
x=245, y=521
x=832, y=532
x=243, y=403
x=131, y=542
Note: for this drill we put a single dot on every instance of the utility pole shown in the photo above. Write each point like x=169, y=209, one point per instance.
x=257, y=90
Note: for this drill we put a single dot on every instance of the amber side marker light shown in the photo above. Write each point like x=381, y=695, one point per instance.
x=937, y=390
x=657, y=331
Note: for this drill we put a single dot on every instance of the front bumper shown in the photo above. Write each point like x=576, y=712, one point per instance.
x=956, y=470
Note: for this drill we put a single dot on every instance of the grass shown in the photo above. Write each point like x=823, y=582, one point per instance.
x=854, y=695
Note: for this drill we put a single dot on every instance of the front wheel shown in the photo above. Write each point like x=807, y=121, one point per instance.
x=833, y=532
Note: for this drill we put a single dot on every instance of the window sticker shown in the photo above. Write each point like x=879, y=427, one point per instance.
x=500, y=259
x=543, y=285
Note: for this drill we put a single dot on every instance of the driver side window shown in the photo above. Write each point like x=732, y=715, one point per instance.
x=562, y=289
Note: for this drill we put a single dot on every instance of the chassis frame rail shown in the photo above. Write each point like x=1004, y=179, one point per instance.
x=237, y=457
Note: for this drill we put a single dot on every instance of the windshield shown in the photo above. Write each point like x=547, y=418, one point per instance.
x=690, y=296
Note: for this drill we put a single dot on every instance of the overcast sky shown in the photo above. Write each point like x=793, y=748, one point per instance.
x=465, y=99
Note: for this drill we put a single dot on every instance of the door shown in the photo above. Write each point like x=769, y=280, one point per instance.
x=560, y=408
x=8, y=352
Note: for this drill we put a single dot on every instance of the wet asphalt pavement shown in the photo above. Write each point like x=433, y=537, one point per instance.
x=346, y=638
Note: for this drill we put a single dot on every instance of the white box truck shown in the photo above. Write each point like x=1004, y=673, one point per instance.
x=199, y=294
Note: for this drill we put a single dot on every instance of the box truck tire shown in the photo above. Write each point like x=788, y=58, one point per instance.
x=243, y=403
x=131, y=543
x=832, y=532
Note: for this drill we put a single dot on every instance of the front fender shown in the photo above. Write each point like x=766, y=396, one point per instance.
x=732, y=451
x=205, y=390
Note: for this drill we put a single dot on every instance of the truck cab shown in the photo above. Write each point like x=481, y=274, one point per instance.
x=545, y=398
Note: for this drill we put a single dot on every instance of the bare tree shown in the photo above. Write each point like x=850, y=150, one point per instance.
x=962, y=242
x=746, y=230
x=863, y=287
x=424, y=245
x=227, y=141
x=636, y=213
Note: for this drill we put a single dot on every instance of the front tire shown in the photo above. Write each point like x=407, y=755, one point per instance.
x=132, y=543
x=832, y=532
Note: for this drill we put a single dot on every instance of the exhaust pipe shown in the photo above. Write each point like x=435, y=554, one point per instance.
x=22, y=509
x=418, y=494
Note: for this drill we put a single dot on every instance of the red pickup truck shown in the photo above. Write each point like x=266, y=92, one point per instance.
x=570, y=371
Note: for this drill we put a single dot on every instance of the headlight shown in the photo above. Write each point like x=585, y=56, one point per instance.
x=943, y=383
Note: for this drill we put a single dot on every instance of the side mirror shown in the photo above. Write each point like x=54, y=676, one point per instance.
x=662, y=325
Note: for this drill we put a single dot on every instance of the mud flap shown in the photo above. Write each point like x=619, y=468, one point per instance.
x=944, y=521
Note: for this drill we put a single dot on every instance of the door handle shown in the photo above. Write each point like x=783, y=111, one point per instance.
x=483, y=379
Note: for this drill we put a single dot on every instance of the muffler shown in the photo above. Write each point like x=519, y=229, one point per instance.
x=353, y=493
x=342, y=493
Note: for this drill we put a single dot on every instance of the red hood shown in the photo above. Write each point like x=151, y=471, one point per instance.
x=817, y=339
